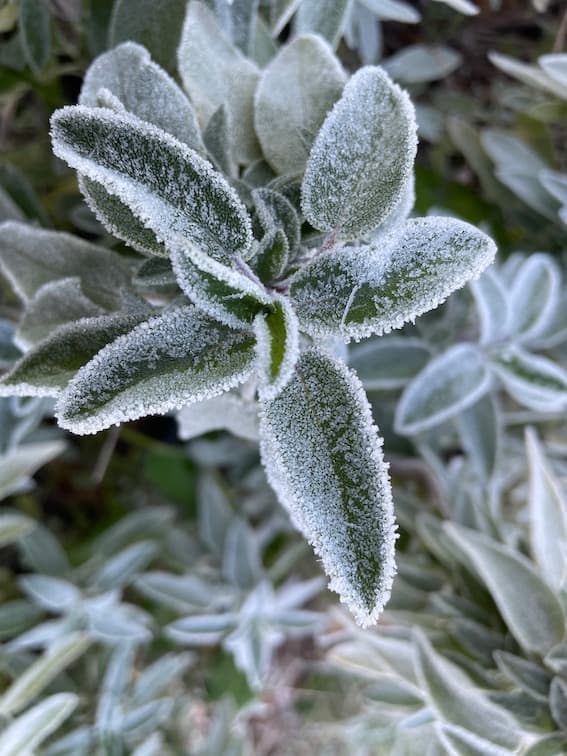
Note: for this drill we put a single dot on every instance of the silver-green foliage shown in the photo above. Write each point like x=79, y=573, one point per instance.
x=250, y=269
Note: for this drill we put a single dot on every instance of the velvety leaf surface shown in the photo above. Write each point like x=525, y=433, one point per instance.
x=277, y=347
x=35, y=33
x=323, y=17
x=534, y=381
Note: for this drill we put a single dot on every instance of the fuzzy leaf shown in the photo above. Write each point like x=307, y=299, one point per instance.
x=146, y=91
x=459, y=741
x=480, y=431
x=276, y=211
x=295, y=93
x=163, y=364
x=388, y=363
x=393, y=10
x=223, y=293
x=323, y=458
x=528, y=606
x=167, y=186
x=277, y=347
x=492, y=304
x=536, y=382
x=355, y=292
x=325, y=18
x=155, y=24
x=555, y=66
x=529, y=74
x=30, y=258
x=52, y=594
x=47, y=368
x=548, y=515
x=422, y=63
x=35, y=33
x=218, y=141
x=362, y=158
x=20, y=463
x=449, y=384
x=227, y=412
x=456, y=700
x=272, y=255
x=201, y=630
x=534, y=296
x=27, y=732
x=558, y=702
x=215, y=73
x=13, y=527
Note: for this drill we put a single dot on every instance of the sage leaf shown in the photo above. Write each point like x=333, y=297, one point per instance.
x=53, y=594
x=323, y=458
x=493, y=307
x=295, y=92
x=227, y=412
x=13, y=527
x=350, y=190
x=162, y=364
x=325, y=18
x=276, y=211
x=19, y=463
x=27, y=732
x=166, y=185
x=35, y=33
x=272, y=255
x=389, y=362
x=277, y=347
x=536, y=382
x=422, y=63
x=218, y=141
x=534, y=297
x=558, y=702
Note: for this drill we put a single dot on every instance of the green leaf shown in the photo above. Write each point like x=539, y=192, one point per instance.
x=13, y=527
x=18, y=464
x=214, y=73
x=534, y=297
x=528, y=606
x=46, y=369
x=323, y=458
x=536, y=382
x=492, y=303
x=277, y=347
x=295, y=92
x=481, y=435
x=457, y=701
x=272, y=255
x=389, y=362
x=275, y=211
x=155, y=24
x=548, y=515
x=145, y=90
x=323, y=17
x=414, y=64
x=166, y=185
x=40, y=673
x=18, y=187
x=354, y=292
x=529, y=676
x=218, y=141
x=179, y=357
x=459, y=741
x=35, y=33
x=28, y=731
x=351, y=190
x=558, y=702
x=227, y=412
x=30, y=258
x=224, y=293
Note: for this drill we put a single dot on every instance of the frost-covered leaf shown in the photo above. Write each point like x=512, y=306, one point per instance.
x=155, y=272
x=184, y=593
x=492, y=304
x=227, y=412
x=354, y=292
x=20, y=463
x=294, y=94
x=120, y=569
x=13, y=527
x=47, y=368
x=558, y=702
x=458, y=741
x=40, y=549
x=116, y=626
x=224, y=293
x=166, y=185
x=529, y=74
x=528, y=675
x=31, y=257
x=530, y=609
x=536, y=382
x=218, y=141
x=277, y=347
x=323, y=458
x=28, y=731
x=276, y=211
x=214, y=73
x=158, y=677
x=325, y=18
x=53, y=305
x=241, y=558
x=449, y=384
x=272, y=255
x=457, y=701
x=163, y=364
x=154, y=24
x=201, y=630
x=393, y=10
x=421, y=63
x=548, y=515
x=144, y=89
x=54, y=594
x=40, y=673
x=534, y=296
x=35, y=33
x=362, y=158
x=389, y=362
x=550, y=745
x=481, y=435
x=239, y=22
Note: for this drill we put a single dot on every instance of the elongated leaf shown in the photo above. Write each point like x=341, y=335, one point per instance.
x=355, y=292
x=466, y=7
x=393, y=10
x=46, y=369
x=38, y=675
x=224, y=293
x=527, y=73
x=13, y=527
x=449, y=384
x=201, y=630
x=272, y=256
x=493, y=307
x=218, y=141
x=277, y=347
x=30, y=258
x=120, y=569
x=156, y=25
x=276, y=211
x=534, y=297
x=462, y=742
x=481, y=435
x=531, y=677
x=227, y=412
x=389, y=362
x=21, y=462
x=145, y=90
x=352, y=190
x=323, y=458
x=556, y=184
x=323, y=17
x=420, y=63
x=548, y=515
x=530, y=609
x=295, y=93
x=214, y=73
x=455, y=699
x=35, y=33
x=29, y=730
x=555, y=66
x=165, y=363
x=536, y=382
x=558, y=702
x=167, y=186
